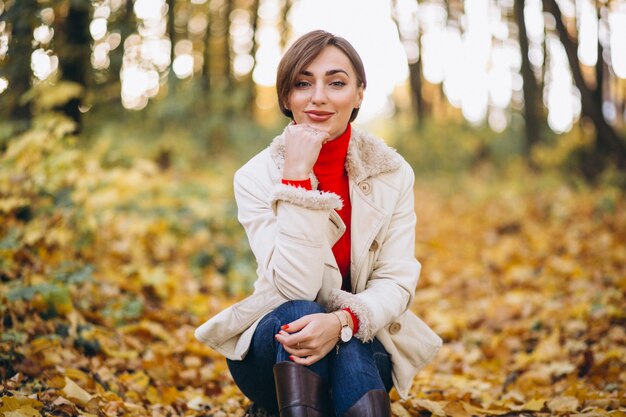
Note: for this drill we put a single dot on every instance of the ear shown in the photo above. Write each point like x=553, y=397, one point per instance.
x=359, y=95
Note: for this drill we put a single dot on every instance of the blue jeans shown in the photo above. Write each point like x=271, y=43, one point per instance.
x=356, y=369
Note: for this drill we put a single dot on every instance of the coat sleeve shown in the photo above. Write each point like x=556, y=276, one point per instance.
x=390, y=288
x=286, y=229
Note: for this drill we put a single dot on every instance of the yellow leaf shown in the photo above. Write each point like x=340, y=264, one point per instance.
x=10, y=203
x=153, y=328
x=563, y=404
x=458, y=409
x=19, y=405
x=152, y=395
x=75, y=392
x=9, y=404
x=57, y=381
x=169, y=395
x=398, y=410
x=436, y=408
x=138, y=381
x=549, y=348
x=534, y=405
x=23, y=412
x=592, y=412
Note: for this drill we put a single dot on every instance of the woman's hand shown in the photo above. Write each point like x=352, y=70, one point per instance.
x=302, y=147
x=310, y=338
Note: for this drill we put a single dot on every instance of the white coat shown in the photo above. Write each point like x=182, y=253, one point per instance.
x=291, y=232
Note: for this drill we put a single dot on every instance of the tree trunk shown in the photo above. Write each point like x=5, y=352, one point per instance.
x=125, y=24
x=415, y=73
x=600, y=65
x=255, y=46
x=531, y=114
x=206, y=65
x=415, y=78
x=284, y=24
x=608, y=144
x=17, y=63
x=171, y=30
x=228, y=73
x=75, y=53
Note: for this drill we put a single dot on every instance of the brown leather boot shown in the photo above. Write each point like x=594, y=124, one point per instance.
x=300, y=392
x=374, y=403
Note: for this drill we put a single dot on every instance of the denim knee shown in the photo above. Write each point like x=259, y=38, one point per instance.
x=293, y=310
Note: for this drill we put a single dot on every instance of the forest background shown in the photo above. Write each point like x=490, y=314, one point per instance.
x=122, y=123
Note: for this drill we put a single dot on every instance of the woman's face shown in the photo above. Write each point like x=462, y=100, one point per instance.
x=326, y=92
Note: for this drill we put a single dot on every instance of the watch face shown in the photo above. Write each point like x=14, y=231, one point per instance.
x=346, y=334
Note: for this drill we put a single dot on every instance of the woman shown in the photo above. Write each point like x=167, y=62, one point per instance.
x=329, y=215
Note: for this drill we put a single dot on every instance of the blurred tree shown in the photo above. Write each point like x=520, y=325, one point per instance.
x=284, y=23
x=122, y=22
x=74, y=51
x=254, y=23
x=608, y=145
x=530, y=89
x=415, y=68
x=228, y=61
x=206, y=44
x=415, y=81
x=171, y=30
x=21, y=18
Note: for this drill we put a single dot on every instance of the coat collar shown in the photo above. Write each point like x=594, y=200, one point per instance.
x=367, y=156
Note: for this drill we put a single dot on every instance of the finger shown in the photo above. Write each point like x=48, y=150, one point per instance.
x=284, y=338
x=297, y=325
x=293, y=350
x=321, y=135
x=294, y=341
x=306, y=361
x=314, y=130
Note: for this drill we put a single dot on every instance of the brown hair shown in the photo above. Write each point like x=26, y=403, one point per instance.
x=303, y=51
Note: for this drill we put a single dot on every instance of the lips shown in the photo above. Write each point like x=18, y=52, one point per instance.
x=318, y=116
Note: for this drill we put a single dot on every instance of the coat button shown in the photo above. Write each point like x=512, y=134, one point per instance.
x=394, y=327
x=374, y=246
x=365, y=187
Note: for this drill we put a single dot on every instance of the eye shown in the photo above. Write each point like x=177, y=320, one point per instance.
x=338, y=84
x=302, y=84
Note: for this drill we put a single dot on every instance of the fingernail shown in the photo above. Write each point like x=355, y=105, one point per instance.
x=285, y=327
x=291, y=358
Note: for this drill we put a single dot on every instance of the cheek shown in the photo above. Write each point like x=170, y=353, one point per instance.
x=297, y=99
x=346, y=102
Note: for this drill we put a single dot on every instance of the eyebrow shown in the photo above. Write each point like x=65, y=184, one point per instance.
x=329, y=72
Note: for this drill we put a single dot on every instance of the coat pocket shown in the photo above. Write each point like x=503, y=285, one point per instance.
x=414, y=340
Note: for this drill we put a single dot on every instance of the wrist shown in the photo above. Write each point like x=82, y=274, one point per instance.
x=348, y=319
x=339, y=320
x=345, y=332
x=295, y=174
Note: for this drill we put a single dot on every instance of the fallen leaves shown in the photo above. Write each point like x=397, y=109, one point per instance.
x=526, y=294
x=105, y=271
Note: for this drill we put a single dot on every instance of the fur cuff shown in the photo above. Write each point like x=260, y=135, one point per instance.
x=339, y=299
x=313, y=199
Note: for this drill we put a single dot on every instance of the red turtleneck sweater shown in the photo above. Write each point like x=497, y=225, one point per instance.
x=330, y=170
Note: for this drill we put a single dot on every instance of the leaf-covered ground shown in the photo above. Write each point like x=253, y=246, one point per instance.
x=107, y=266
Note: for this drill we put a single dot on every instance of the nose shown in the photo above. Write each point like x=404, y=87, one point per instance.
x=319, y=94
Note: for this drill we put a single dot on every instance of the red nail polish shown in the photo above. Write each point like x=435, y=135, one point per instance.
x=291, y=358
x=285, y=327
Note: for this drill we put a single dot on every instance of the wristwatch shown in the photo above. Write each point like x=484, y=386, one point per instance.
x=346, y=332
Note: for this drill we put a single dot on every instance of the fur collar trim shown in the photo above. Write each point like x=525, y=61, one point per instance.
x=367, y=156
